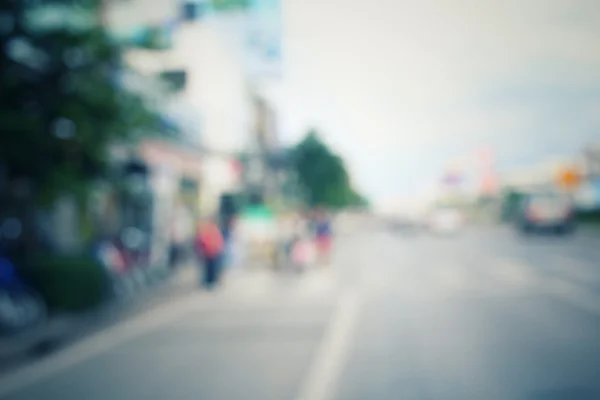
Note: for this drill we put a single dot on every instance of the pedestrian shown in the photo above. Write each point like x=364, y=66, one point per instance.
x=285, y=238
x=302, y=252
x=227, y=226
x=323, y=236
x=209, y=246
x=295, y=243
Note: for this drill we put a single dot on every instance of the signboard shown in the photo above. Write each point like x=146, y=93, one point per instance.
x=569, y=178
x=258, y=223
x=264, y=39
x=229, y=5
x=160, y=154
x=489, y=184
x=193, y=10
x=254, y=28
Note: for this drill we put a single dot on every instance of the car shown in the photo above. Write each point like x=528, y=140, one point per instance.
x=445, y=220
x=403, y=223
x=547, y=211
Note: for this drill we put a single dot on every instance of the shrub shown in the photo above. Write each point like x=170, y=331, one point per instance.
x=589, y=217
x=67, y=283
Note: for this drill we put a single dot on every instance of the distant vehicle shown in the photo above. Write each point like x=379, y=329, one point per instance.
x=445, y=220
x=546, y=212
x=405, y=223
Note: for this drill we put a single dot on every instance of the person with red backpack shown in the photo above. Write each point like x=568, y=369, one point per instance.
x=209, y=247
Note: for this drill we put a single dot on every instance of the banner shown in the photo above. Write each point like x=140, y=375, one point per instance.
x=228, y=5
x=264, y=39
x=254, y=28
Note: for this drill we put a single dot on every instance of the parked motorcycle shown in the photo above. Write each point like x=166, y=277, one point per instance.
x=111, y=258
x=125, y=259
x=134, y=248
x=21, y=307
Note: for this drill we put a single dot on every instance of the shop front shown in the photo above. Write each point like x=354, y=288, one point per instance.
x=176, y=180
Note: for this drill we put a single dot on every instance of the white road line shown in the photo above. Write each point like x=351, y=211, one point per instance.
x=326, y=367
x=513, y=272
x=576, y=269
x=97, y=344
x=574, y=294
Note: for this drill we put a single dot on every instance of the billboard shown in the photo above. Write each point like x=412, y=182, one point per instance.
x=256, y=27
x=264, y=39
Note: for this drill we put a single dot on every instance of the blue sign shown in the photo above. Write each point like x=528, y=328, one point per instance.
x=264, y=39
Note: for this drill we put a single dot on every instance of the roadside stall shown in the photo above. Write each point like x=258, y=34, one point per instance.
x=258, y=232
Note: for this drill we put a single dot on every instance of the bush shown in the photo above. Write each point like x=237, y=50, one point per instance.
x=511, y=201
x=67, y=283
x=591, y=217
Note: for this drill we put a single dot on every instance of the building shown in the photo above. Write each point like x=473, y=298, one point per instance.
x=167, y=169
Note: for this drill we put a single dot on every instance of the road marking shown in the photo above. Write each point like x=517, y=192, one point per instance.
x=330, y=358
x=146, y=322
x=514, y=272
x=554, y=285
x=574, y=295
x=577, y=269
x=98, y=344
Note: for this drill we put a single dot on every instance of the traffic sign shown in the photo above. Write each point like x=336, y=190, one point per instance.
x=569, y=178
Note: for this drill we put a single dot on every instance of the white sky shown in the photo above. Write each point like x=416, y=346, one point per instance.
x=402, y=88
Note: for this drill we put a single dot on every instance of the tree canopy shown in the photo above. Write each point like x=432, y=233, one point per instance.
x=323, y=175
x=62, y=97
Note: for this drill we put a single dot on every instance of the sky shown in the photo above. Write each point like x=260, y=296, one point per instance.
x=402, y=89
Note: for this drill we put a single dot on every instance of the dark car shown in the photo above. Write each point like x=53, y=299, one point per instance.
x=546, y=212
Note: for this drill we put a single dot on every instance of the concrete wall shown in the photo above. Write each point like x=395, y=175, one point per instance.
x=216, y=84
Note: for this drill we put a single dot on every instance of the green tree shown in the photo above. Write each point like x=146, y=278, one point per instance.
x=511, y=200
x=323, y=174
x=62, y=100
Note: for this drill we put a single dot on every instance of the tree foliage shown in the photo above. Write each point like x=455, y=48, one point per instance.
x=323, y=174
x=511, y=201
x=62, y=101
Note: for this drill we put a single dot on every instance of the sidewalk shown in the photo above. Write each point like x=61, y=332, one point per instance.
x=64, y=330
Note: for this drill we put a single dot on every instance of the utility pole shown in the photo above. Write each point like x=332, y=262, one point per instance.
x=592, y=161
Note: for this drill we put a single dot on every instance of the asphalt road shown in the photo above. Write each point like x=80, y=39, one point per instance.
x=483, y=315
